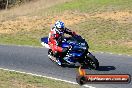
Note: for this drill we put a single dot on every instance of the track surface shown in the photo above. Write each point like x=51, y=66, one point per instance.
x=35, y=60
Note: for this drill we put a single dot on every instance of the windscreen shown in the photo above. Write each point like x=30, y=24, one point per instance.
x=77, y=39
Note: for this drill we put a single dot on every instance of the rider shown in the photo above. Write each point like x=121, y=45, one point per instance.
x=55, y=39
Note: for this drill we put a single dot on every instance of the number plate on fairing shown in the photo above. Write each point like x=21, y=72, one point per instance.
x=83, y=44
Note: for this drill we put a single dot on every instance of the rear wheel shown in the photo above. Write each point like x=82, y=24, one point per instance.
x=91, y=61
x=50, y=52
x=53, y=58
x=51, y=55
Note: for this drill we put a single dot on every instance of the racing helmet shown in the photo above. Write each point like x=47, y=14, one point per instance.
x=59, y=26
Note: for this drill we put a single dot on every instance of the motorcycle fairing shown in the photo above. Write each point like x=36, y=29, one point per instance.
x=44, y=42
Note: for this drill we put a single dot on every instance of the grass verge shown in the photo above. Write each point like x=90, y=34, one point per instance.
x=9, y=79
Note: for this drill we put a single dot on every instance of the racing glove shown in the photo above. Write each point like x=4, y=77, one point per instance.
x=74, y=34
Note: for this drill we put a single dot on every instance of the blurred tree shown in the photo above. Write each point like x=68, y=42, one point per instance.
x=5, y=4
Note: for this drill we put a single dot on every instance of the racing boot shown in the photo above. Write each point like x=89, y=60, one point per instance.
x=58, y=62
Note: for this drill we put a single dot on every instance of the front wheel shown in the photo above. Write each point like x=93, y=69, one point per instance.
x=91, y=61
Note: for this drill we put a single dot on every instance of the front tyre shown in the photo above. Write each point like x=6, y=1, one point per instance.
x=91, y=61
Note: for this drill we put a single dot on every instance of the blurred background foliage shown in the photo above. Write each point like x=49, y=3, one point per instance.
x=7, y=4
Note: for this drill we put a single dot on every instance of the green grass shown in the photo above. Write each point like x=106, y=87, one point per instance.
x=24, y=38
x=10, y=79
x=87, y=6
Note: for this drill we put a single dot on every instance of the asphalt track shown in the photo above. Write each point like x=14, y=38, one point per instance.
x=34, y=60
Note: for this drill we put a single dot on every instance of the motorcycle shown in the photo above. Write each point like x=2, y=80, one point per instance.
x=78, y=52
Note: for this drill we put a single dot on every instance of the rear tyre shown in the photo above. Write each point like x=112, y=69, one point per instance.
x=51, y=56
x=50, y=52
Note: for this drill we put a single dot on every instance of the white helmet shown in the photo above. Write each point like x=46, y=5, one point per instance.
x=59, y=26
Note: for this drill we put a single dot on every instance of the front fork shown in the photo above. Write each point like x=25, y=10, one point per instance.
x=82, y=60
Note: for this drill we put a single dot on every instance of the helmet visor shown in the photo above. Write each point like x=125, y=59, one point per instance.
x=60, y=30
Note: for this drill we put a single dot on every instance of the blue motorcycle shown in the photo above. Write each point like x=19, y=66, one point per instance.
x=78, y=52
